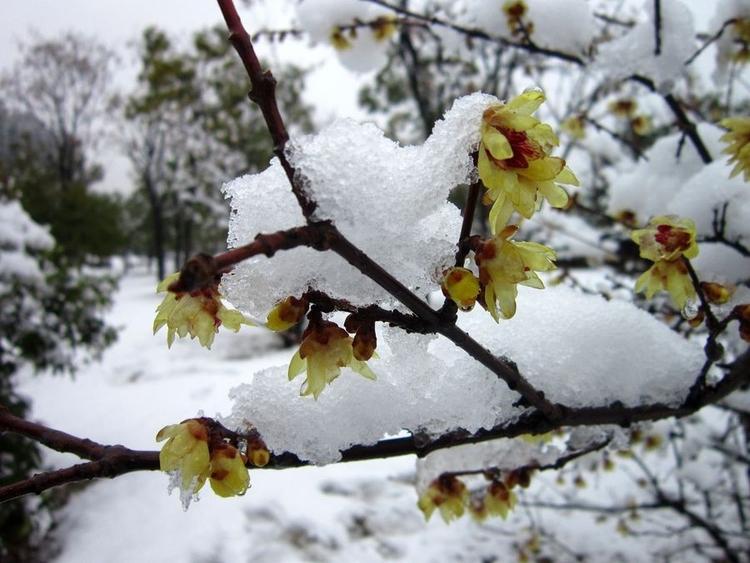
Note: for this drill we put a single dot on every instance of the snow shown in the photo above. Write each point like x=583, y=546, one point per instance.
x=726, y=45
x=563, y=25
x=348, y=512
x=635, y=51
x=647, y=187
x=683, y=185
x=18, y=231
x=321, y=17
x=379, y=194
x=427, y=384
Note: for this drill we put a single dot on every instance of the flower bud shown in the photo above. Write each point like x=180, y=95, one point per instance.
x=229, y=476
x=462, y=286
x=365, y=341
x=715, y=292
x=260, y=457
x=286, y=314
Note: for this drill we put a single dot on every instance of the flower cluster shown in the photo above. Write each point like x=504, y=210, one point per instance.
x=741, y=41
x=667, y=241
x=196, y=456
x=738, y=144
x=198, y=313
x=325, y=349
x=452, y=498
x=514, y=160
x=515, y=11
x=382, y=28
x=627, y=108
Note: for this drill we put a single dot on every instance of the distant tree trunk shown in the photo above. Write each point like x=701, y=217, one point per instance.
x=179, y=239
x=157, y=217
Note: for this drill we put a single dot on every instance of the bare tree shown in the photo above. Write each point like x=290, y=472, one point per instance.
x=64, y=83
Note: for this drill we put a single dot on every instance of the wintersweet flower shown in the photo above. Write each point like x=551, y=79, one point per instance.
x=738, y=144
x=286, y=314
x=503, y=264
x=665, y=241
x=641, y=125
x=186, y=451
x=383, y=27
x=199, y=313
x=624, y=107
x=325, y=349
x=671, y=277
x=229, y=476
x=514, y=162
x=499, y=500
x=574, y=126
x=741, y=41
x=446, y=493
x=667, y=237
x=514, y=11
x=462, y=286
x=339, y=41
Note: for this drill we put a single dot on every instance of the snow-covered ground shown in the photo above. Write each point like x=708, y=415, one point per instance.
x=347, y=512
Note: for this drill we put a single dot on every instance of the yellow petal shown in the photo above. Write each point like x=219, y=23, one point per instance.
x=527, y=102
x=496, y=143
x=296, y=366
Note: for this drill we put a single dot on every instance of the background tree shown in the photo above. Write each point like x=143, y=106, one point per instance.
x=56, y=97
x=191, y=129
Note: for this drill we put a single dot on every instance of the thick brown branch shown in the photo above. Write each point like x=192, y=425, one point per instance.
x=263, y=93
x=118, y=460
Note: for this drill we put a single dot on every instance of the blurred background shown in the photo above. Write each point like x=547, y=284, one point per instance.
x=119, y=123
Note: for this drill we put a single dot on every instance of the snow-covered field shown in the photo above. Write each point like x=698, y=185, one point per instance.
x=347, y=512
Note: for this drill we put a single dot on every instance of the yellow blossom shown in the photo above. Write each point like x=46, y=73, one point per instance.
x=229, y=476
x=503, y=264
x=670, y=276
x=383, y=27
x=499, y=499
x=198, y=313
x=641, y=125
x=325, y=349
x=187, y=452
x=737, y=140
x=667, y=237
x=514, y=162
x=665, y=241
x=624, y=107
x=741, y=41
x=574, y=126
x=514, y=11
x=462, y=286
x=338, y=40
x=286, y=314
x=446, y=493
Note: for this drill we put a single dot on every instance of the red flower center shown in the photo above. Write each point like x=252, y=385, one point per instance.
x=672, y=239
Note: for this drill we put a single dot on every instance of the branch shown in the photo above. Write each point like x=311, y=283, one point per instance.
x=117, y=460
x=710, y=40
x=559, y=463
x=264, y=94
x=683, y=122
x=657, y=27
